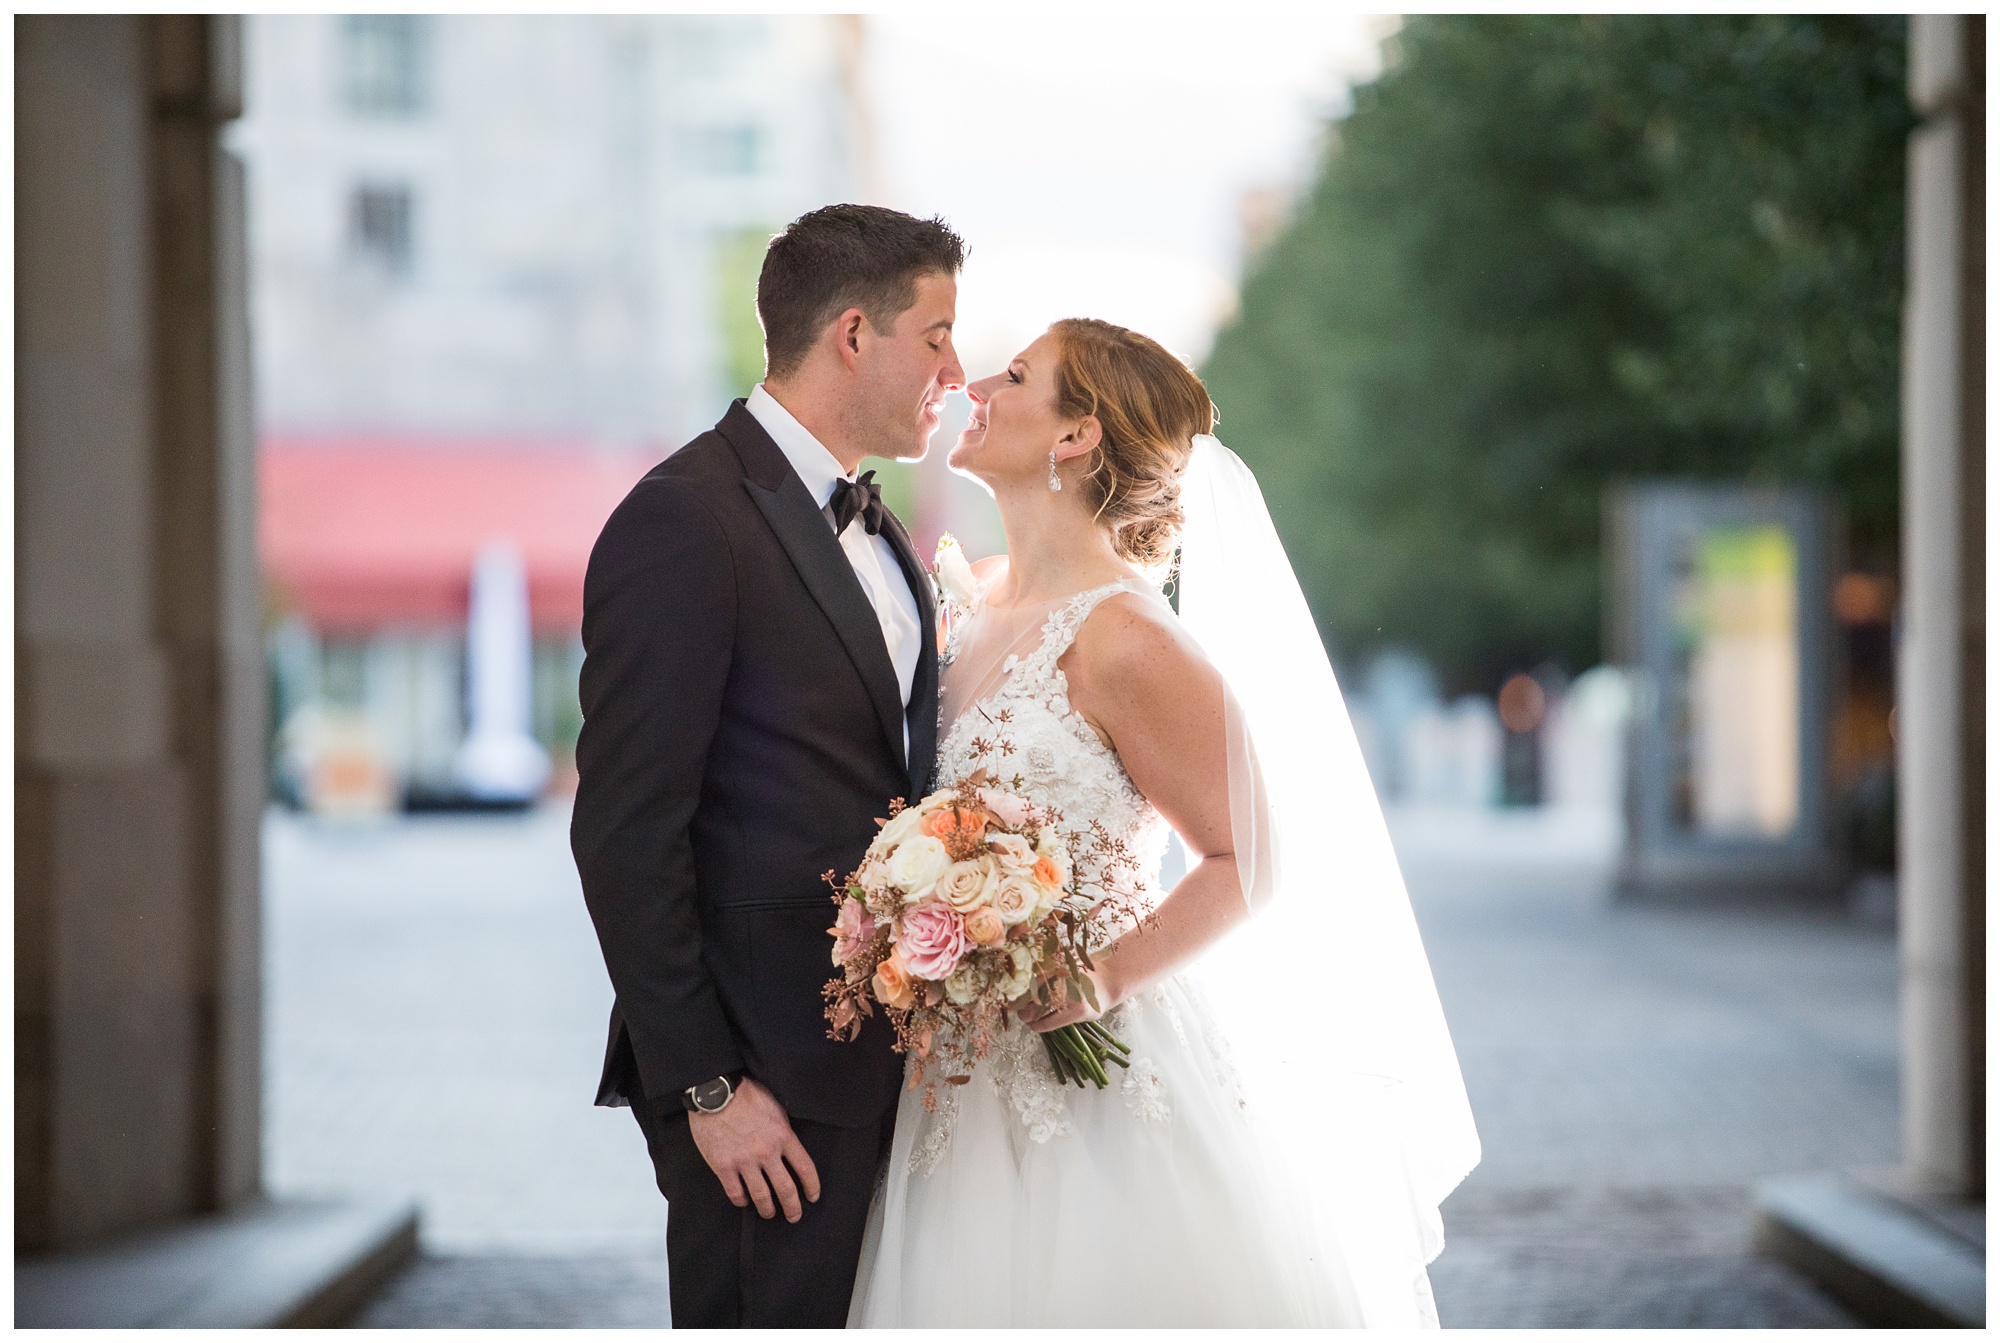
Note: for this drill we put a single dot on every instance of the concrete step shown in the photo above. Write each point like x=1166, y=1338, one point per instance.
x=1891, y=1263
x=293, y=1264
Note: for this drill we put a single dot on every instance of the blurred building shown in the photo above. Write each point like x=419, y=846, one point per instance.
x=500, y=265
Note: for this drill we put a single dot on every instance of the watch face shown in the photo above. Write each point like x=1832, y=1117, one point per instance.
x=711, y=1095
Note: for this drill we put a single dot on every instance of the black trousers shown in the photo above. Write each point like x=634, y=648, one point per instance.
x=729, y=1268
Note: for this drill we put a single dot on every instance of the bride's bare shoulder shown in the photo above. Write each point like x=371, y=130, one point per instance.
x=1134, y=644
x=991, y=567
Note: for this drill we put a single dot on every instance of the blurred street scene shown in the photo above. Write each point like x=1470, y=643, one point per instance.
x=1615, y=382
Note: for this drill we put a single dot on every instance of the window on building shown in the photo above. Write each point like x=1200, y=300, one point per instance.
x=385, y=64
x=729, y=151
x=380, y=225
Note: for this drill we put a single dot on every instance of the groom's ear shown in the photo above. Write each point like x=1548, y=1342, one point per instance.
x=847, y=329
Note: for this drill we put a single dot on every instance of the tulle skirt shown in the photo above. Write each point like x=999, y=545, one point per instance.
x=1023, y=1203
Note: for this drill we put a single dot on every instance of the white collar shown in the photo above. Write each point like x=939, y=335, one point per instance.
x=817, y=467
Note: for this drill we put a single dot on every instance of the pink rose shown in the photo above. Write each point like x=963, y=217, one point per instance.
x=852, y=930
x=1011, y=811
x=932, y=940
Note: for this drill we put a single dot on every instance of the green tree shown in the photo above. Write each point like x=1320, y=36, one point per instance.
x=1545, y=253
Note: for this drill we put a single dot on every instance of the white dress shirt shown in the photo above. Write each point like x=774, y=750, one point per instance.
x=874, y=560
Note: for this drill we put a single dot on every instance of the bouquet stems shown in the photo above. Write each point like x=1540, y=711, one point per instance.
x=1078, y=1053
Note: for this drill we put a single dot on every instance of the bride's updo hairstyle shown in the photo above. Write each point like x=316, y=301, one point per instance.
x=1149, y=406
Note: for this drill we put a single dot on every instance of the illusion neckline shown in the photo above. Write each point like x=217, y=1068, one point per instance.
x=981, y=602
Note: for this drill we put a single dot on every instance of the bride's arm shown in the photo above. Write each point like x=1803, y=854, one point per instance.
x=1149, y=692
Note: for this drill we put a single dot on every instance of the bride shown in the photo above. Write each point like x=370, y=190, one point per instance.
x=1293, y=1113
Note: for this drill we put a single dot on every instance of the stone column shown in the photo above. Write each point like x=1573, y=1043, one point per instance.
x=1940, y=696
x=139, y=684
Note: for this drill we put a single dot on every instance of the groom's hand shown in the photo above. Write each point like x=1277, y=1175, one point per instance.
x=749, y=1144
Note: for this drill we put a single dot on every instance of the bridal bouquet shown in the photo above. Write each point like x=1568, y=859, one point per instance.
x=966, y=907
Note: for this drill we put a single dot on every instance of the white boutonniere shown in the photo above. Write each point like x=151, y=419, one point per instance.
x=955, y=588
x=952, y=573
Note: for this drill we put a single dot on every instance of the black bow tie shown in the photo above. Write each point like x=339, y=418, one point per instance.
x=861, y=497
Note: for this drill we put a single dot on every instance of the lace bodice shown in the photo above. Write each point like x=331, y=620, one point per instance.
x=1026, y=734
x=1027, y=727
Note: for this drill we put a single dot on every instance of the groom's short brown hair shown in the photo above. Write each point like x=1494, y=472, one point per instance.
x=840, y=257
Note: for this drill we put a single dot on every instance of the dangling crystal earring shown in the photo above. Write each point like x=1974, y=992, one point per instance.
x=1055, y=481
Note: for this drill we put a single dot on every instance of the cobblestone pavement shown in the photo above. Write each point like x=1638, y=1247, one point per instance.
x=1633, y=1069
x=524, y=1292
x=436, y=1016
x=1659, y=1258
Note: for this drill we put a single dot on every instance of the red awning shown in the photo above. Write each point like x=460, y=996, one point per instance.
x=359, y=533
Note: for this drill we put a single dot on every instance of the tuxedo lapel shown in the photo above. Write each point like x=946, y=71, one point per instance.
x=924, y=688
x=821, y=565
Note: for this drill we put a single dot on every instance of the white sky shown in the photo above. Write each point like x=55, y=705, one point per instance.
x=1096, y=163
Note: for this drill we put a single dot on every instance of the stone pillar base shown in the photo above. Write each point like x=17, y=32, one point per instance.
x=276, y=1265
x=1894, y=1257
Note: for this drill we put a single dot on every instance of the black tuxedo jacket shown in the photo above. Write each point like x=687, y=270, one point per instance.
x=742, y=733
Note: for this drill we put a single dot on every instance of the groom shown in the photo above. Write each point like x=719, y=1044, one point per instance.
x=759, y=680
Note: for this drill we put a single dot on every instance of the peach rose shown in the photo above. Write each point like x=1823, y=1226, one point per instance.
x=985, y=926
x=966, y=886
x=931, y=940
x=1047, y=873
x=892, y=984
x=941, y=823
x=852, y=931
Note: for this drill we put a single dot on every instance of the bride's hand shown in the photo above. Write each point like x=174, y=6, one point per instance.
x=1077, y=1009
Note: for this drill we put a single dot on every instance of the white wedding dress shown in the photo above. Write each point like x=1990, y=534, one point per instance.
x=1020, y=1201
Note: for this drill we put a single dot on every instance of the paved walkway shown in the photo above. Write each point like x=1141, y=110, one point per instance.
x=435, y=1018
x=1633, y=1070
x=437, y=1005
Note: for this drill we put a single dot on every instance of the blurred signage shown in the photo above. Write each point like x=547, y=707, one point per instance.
x=1721, y=602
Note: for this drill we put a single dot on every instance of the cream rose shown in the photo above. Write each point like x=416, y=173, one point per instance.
x=968, y=885
x=1016, y=983
x=907, y=822
x=962, y=986
x=1015, y=899
x=873, y=876
x=918, y=863
x=1014, y=852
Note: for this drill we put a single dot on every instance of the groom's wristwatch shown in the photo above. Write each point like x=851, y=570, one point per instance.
x=709, y=1097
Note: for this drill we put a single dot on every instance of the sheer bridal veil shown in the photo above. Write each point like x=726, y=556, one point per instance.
x=1326, y=991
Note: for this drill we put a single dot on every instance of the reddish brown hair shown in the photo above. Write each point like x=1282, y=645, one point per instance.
x=1149, y=406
